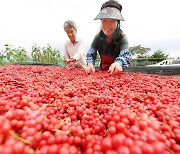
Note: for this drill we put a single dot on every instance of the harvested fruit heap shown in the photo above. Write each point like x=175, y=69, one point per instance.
x=52, y=109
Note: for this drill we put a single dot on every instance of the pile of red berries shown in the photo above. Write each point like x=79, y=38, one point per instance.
x=59, y=110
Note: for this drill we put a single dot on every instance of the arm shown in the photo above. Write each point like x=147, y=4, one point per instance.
x=92, y=52
x=66, y=55
x=124, y=58
x=125, y=55
x=67, y=59
x=91, y=56
x=121, y=62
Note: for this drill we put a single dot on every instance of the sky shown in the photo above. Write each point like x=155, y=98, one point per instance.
x=152, y=24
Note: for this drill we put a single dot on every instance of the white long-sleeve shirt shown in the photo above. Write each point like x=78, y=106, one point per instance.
x=76, y=51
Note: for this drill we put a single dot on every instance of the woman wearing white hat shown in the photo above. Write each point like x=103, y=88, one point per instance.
x=111, y=43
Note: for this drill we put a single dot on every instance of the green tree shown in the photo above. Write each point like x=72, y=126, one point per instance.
x=15, y=54
x=139, y=51
x=159, y=54
x=9, y=53
x=2, y=57
x=20, y=55
x=45, y=54
x=36, y=53
x=50, y=55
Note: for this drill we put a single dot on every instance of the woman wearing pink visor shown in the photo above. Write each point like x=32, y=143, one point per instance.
x=111, y=43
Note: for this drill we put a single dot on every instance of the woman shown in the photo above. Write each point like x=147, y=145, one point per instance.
x=111, y=43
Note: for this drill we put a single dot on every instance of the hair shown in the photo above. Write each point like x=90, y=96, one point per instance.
x=112, y=3
x=70, y=24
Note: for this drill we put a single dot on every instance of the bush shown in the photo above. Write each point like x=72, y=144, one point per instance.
x=19, y=55
x=11, y=54
x=45, y=54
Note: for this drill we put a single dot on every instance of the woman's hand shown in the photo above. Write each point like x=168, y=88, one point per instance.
x=115, y=68
x=90, y=68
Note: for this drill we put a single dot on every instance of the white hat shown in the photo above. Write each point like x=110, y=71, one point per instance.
x=110, y=9
x=110, y=12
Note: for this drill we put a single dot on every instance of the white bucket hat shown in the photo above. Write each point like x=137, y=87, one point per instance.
x=110, y=9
